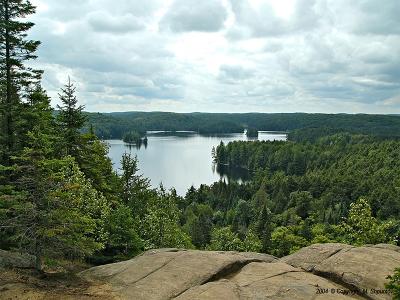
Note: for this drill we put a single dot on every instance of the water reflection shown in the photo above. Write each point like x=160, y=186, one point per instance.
x=230, y=173
x=138, y=145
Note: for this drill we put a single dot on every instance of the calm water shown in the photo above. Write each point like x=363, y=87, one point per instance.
x=181, y=160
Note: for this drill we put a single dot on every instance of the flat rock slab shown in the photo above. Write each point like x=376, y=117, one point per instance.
x=309, y=257
x=165, y=274
x=321, y=271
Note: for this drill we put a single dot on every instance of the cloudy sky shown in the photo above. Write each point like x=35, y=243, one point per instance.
x=223, y=55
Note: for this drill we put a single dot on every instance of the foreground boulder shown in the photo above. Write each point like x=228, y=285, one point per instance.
x=321, y=271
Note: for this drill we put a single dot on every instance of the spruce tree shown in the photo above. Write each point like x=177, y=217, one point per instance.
x=70, y=119
x=16, y=78
x=264, y=228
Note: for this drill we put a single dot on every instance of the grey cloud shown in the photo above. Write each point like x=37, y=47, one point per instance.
x=193, y=15
x=234, y=73
x=264, y=22
x=74, y=10
x=368, y=16
x=103, y=22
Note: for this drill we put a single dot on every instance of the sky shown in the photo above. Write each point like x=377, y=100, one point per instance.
x=330, y=56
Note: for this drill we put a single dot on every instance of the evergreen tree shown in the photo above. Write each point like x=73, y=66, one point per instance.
x=70, y=119
x=36, y=112
x=199, y=224
x=15, y=77
x=94, y=162
x=51, y=208
x=260, y=199
x=264, y=228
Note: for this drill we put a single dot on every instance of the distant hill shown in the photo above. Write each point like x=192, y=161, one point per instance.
x=115, y=125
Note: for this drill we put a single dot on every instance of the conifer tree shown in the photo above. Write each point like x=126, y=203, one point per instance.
x=70, y=119
x=16, y=78
x=264, y=228
x=50, y=209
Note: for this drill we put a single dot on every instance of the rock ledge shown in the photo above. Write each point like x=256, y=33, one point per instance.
x=320, y=271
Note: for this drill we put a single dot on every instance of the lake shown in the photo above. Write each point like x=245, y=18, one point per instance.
x=182, y=159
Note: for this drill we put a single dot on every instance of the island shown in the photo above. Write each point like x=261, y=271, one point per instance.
x=134, y=137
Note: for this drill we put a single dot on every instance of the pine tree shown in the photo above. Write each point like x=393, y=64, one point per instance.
x=16, y=78
x=70, y=119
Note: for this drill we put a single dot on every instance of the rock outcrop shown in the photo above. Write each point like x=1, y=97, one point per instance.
x=16, y=260
x=321, y=271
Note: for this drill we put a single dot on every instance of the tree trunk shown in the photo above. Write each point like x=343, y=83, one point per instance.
x=38, y=257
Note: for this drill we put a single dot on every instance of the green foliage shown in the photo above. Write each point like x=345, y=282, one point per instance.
x=284, y=241
x=53, y=210
x=264, y=228
x=394, y=284
x=332, y=171
x=199, y=222
x=86, y=199
x=94, y=162
x=320, y=234
x=252, y=243
x=160, y=226
x=123, y=240
x=224, y=239
x=361, y=227
x=301, y=201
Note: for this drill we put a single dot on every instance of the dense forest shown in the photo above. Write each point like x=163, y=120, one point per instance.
x=336, y=180
x=301, y=126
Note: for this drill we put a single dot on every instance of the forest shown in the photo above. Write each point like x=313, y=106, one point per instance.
x=335, y=180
